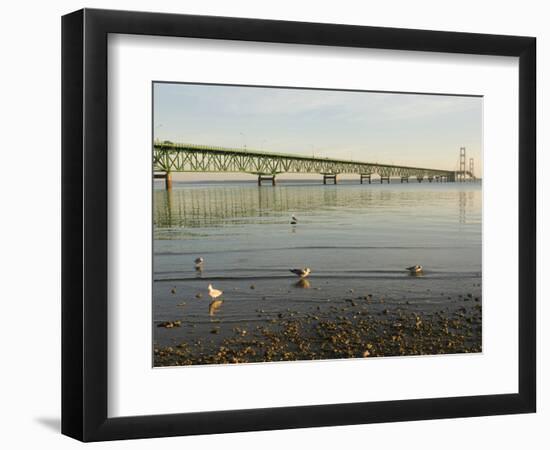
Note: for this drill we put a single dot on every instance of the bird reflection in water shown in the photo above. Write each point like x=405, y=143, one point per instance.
x=303, y=283
x=215, y=305
x=416, y=274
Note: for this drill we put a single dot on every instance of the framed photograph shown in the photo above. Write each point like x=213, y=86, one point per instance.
x=272, y=224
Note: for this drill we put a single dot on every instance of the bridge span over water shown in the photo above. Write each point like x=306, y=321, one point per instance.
x=171, y=157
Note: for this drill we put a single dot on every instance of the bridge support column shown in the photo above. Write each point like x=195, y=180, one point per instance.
x=168, y=181
x=430, y=179
x=420, y=179
x=266, y=178
x=363, y=176
x=384, y=178
x=330, y=176
x=167, y=177
x=404, y=179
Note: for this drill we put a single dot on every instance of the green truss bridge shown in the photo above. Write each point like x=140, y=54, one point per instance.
x=170, y=157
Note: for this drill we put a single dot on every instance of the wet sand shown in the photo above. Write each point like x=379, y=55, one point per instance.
x=352, y=327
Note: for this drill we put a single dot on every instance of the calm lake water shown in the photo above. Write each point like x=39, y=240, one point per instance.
x=353, y=237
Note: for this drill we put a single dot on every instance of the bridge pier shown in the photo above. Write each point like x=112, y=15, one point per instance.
x=266, y=178
x=404, y=179
x=430, y=179
x=329, y=176
x=363, y=176
x=384, y=178
x=167, y=177
x=420, y=179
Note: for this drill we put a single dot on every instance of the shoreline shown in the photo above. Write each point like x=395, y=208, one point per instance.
x=359, y=327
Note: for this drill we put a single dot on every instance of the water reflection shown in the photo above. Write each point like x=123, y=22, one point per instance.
x=466, y=205
x=226, y=205
x=214, y=306
x=303, y=283
x=416, y=274
x=462, y=200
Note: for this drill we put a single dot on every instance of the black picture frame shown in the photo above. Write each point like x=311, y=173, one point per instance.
x=84, y=224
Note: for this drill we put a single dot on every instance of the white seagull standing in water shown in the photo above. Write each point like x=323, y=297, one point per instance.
x=302, y=273
x=214, y=293
x=293, y=220
x=415, y=269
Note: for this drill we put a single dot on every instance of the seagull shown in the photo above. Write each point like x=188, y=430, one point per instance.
x=415, y=269
x=293, y=220
x=198, y=263
x=302, y=273
x=214, y=293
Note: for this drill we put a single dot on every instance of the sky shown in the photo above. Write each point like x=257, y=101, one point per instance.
x=394, y=128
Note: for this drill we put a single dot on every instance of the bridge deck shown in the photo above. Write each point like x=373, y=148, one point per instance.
x=175, y=157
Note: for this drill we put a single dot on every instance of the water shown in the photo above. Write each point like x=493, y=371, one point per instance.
x=357, y=239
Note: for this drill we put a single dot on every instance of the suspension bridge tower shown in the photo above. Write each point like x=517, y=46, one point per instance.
x=462, y=170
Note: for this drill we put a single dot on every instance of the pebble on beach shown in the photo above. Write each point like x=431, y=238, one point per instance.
x=170, y=324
